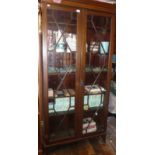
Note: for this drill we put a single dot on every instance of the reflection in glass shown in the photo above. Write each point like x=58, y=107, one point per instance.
x=104, y=47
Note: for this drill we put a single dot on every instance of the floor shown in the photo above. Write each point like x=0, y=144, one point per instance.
x=92, y=146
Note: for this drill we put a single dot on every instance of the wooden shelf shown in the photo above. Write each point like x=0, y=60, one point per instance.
x=62, y=113
x=93, y=109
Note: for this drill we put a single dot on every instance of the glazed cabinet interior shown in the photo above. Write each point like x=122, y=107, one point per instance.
x=76, y=60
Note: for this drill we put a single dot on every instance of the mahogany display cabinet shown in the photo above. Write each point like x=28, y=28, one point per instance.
x=76, y=61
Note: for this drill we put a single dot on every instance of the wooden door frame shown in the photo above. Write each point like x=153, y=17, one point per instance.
x=109, y=74
x=45, y=71
x=81, y=48
x=83, y=54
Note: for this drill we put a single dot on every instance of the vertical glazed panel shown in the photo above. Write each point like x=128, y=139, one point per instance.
x=96, y=71
x=61, y=58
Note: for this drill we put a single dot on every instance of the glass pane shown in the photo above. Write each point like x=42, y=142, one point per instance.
x=61, y=48
x=98, y=41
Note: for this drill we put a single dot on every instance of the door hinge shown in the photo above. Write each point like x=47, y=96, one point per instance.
x=42, y=124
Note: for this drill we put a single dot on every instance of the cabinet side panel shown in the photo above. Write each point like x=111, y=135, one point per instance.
x=45, y=77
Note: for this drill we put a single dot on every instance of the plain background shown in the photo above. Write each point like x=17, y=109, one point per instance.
x=135, y=43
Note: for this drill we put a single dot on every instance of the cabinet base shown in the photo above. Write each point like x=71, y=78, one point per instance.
x=48, y=149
